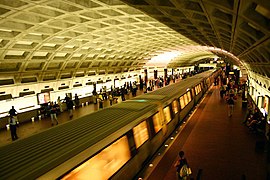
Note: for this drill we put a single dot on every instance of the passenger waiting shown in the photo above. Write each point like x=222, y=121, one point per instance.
x=70, y=107
x=59, y=102
x=13, y=112
x=13, y=127
x=100, y=99
x=77, y=101
x=53, y=111
x=111, y=98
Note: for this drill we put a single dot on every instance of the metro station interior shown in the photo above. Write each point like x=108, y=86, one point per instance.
x=51, y=49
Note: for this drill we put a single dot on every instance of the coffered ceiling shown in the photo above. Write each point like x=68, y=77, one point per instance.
x=241, y=27
x=43, y=40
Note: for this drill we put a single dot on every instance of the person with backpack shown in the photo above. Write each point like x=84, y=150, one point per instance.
x=182, y=167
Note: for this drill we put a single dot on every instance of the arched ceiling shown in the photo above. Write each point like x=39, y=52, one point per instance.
x=241, y=27
x=46, y=40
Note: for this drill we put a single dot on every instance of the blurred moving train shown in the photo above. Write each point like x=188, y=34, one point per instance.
x=113, y=143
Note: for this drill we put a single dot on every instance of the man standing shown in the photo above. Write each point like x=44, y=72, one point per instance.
x=13, y=128
x=12, y=112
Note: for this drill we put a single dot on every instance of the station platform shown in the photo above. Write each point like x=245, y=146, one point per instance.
x=30, y=128
x=216, y=146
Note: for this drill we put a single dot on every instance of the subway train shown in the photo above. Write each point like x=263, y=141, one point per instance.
x=112, y=143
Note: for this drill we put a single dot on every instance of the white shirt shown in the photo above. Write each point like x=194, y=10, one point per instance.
x=12, y=121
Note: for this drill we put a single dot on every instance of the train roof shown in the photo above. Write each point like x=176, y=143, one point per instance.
x=33, y=156
x=167, y=93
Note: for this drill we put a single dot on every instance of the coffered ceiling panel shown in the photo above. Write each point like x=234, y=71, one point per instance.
x=241, y=27
x=69, y=36
x=63, y=38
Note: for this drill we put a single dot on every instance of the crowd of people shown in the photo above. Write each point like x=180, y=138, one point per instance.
x=254, y=119
x=230, y=91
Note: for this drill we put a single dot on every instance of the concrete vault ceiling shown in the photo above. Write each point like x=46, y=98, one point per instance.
x=44, y=40
x=241, y=27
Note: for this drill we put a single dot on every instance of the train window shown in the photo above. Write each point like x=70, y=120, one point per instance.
x=157, y=122
x=140, y=133
x=104, y=164
x=189, y=96
x=167, y=114
x=186, y=99
x=198, y=89
x=175, y=107
x=182, y=102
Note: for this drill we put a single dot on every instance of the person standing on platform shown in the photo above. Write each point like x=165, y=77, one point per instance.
x=230, y=106
x=70, y=107
x=53, y=112
x=100, y=98
x=77, y=101
x=94, y=95
x=13, y=112
x=134, y=89
x=111, y=99
x=123, y=94
x=59, y=102
x=182, y=167
x=13, y=127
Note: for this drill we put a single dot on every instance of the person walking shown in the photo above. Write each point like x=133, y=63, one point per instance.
x=13, y=128
x=53, y=112
x=182, y=167
x=230, y=106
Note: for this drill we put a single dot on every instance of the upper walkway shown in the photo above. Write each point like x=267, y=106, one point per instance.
x=215, y=145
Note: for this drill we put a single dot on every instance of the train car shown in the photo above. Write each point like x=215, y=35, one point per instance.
x=112, y=143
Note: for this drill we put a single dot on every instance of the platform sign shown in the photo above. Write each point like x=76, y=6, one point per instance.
x=43, y=97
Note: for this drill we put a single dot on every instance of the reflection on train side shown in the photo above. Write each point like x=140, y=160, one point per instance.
x=167, y=114
x=157, y=122
x=175, y=107
x=198, y=89
x=105, y=164
x=185, y=99
x=140, y=133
